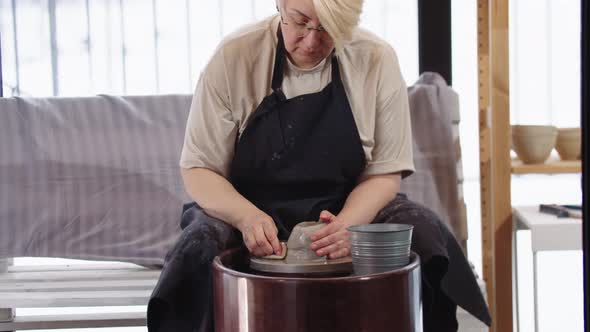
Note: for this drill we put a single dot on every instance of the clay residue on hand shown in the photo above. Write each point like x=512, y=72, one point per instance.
x=281, y=256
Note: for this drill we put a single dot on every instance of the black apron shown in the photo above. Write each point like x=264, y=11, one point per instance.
x=299, y=156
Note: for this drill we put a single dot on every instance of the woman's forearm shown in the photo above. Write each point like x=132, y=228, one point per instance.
x=369, y=197
x=217, y=196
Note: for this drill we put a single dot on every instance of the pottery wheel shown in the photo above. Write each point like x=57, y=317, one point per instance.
x=299, y=258
x=339, y=265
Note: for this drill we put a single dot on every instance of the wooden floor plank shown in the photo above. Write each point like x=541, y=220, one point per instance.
x=92, y=285
x=79, y=275
x=76, y=267
x=75, y=321
x=73, y=299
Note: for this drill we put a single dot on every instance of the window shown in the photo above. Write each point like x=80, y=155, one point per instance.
x=84, y=47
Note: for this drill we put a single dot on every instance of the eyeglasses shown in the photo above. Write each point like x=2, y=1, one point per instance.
x=303, y=29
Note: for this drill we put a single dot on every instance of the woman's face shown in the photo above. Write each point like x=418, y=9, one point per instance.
x=306, y=47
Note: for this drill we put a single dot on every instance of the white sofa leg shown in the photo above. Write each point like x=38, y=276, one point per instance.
x=5, y=263
x=6, y=314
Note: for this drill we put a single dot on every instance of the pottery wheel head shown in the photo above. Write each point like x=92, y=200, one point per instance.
x=300, y=259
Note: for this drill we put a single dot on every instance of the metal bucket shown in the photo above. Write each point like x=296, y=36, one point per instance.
x=377, y=248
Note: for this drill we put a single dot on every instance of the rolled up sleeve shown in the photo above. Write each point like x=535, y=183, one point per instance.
x=211, y=129
x=392, y=152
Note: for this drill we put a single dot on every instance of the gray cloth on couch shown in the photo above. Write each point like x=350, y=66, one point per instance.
x=433, y=106
x=93, y=177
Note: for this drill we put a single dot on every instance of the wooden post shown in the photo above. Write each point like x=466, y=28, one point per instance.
x=494, y=122
x=485, y=172
x=6, y=314
x=501, y=205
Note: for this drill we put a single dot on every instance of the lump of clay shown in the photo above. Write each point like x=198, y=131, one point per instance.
x=299, y=243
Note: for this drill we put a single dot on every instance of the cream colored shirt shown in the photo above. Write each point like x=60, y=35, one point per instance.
x=239, y=76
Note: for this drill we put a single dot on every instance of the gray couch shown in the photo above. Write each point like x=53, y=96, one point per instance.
x=98, y=177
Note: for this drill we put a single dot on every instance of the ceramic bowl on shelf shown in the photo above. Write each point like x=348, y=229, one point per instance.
x=569, y=143
x=533, y=143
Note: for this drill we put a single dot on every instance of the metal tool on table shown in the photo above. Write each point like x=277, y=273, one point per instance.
x=562, y=211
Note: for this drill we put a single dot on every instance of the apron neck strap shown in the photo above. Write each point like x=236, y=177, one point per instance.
x=277, y=73
x=335, y=69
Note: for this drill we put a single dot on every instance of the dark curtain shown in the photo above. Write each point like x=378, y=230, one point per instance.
x=585, y=155
x=1, y=82
x=434, y=34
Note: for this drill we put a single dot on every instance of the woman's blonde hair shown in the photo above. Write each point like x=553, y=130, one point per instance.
x=338, y=17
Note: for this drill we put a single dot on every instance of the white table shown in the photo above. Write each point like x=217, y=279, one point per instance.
x=548, y=233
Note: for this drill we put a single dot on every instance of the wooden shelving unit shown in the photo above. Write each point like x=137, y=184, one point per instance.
x=495, y=172
x=552, y=166
x=496, y=164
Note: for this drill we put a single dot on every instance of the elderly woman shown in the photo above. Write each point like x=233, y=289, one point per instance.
x=302, y=116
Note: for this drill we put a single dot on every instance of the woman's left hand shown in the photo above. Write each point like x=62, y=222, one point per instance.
x=332, y=240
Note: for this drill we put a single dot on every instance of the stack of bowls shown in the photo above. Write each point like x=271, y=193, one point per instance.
x=533, y=144
x=569, y=143
x=377, y=248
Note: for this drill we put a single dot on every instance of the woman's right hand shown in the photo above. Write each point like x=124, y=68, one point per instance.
x=260, y=234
